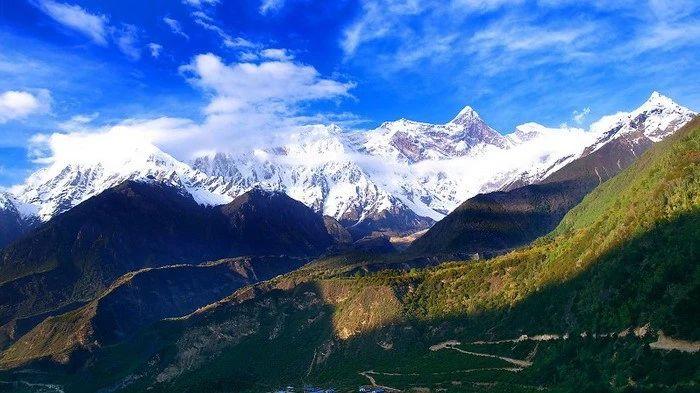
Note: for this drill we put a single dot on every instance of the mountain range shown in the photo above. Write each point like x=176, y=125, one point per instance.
x=606, y=301
x=399, y=178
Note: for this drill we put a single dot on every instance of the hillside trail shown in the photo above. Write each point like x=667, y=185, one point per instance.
x=453, y=345
x=662, y=342
x=373, y=382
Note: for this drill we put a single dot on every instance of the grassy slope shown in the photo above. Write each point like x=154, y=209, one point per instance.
x=626, y=256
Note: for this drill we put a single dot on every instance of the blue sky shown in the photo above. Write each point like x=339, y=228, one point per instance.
x=211, y=73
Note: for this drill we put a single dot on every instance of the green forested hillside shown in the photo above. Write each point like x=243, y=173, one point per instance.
x=623, y=263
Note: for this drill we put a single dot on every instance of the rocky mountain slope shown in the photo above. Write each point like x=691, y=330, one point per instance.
x=142, y=297
x=409, y=141
x=137, y=225
x=607, y=300
x=318, y=167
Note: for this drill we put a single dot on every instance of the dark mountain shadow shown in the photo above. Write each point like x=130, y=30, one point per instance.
x=493, y=223
x=13, y=226
x=140, y=225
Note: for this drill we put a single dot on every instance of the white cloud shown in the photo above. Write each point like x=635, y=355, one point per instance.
x=77, y=18
x=175, y=27
x=20, y=104
x=255, y=104
x=127, y=41
x=155, y=49
x=267, y=6
x=580, y=116
x=252, y=85
x=250, y=105
x=248, y=56
x=607, y=122
x=276, y=54
x=107, y=143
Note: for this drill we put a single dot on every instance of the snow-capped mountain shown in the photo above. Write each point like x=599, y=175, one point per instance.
x=657, y=118
x=411, y=141
x=67, y=182
x=321, y=167
x=401, y=176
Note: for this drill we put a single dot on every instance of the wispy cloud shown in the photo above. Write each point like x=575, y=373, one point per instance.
x=200, y=3
x=276, y=54
x=669, y=25
x=207, y=22
x=580, y=116
x=74, y=17
x=379, y=19
x=267, y=6
x=78, y=122
x=127, y=40
x=175, y=27
x=94, y=26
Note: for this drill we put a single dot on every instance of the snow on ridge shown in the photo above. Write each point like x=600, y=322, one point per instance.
x=427, y=168
x=66, y=183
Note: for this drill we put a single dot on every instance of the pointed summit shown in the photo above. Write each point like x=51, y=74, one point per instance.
x=656, y=100
x=466, y=115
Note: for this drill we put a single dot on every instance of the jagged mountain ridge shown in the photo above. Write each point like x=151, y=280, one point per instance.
x=410, y=141
x=400, y=177
x=66, y=183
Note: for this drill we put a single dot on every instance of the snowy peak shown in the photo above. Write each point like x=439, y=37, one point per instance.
x=66, y=183
x=466, y=116
x=10, y=204
x=657, y=100
x=6, y=201
x=411, y=142
x=658, y=117
x=468, y=128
